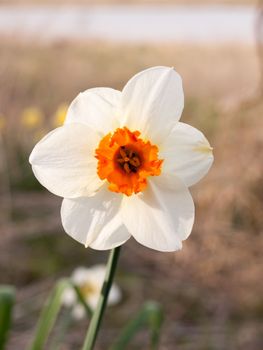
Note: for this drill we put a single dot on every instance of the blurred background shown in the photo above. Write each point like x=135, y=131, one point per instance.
x=211, y=291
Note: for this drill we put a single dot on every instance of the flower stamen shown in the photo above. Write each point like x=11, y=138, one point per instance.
x=126, y=161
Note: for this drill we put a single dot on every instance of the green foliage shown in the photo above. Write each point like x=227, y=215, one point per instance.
x=150, y=315
x=25, y=180
x=50, y=313
x=7, y=298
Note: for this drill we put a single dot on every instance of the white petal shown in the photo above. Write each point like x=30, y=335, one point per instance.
x=94, y=221
x=79, y=275
x=64, y=162
x=78, y=312
x=152, y=102
x=69, y=297
x=114, y=295
x=98, y=271
x=159, y=218
x=97, y=108
x=187, y=153
x=106, y=241
x=113, y=299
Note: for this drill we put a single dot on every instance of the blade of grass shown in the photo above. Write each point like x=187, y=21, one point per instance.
x=65, y=324
x=50, y=312
x=49, y=315
x=7, y=299
x=150, y=315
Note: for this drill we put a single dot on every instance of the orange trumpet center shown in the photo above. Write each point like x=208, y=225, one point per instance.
x=125, y=161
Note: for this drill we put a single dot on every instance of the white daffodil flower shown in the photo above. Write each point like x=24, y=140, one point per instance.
x=89, y=281
x=123, y=163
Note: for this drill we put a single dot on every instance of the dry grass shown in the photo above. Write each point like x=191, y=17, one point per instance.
x=210, y=290
x=31, y=73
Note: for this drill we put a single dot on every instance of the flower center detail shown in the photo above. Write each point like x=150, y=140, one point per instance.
x=87, y=289
x=128, y=159
x=125, y=161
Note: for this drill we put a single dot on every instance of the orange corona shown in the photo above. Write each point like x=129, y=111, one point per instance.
x=125, y=161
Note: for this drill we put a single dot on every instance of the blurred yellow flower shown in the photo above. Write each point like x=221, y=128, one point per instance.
x=60, y=115
x=2, y=122
x=32, y=118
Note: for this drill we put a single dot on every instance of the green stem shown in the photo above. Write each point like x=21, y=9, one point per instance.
x=99, y=311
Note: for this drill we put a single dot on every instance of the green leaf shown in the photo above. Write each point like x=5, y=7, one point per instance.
x=7, y=299
x=49, y=315
x=150, y=315
x=50, y=312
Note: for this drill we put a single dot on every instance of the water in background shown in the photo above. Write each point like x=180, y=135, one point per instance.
x=201, y=24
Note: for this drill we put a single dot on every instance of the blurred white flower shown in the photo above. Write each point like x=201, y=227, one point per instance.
x=89, y=282
x=123, y=163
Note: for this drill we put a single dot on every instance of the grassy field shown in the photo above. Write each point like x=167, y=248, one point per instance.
x=210, y=290
x=222, y=75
